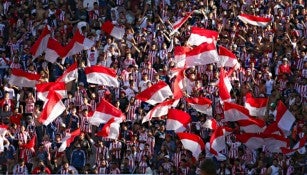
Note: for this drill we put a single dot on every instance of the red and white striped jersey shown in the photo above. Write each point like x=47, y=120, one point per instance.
x=142, y=167
x=18, y=169
x=115, y=149
x=85, y=124
x=233, y=149
x=101, y=152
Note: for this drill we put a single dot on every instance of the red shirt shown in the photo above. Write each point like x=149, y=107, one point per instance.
x=284, y=69
x=37, y=170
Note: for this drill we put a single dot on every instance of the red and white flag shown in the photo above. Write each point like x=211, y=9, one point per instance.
x=299, y=146
x=3, y=130
x=217, y=139
x=102, y=76
x=179, y=84
x=68, y=139
x=256, y=106
x=201, y=55
x=30, y=144
x=110, y=129
x=52, y=108
x=211, y=124
x=254, y=20
x=273, y=129
x=180, y=22
x=43, y=89
x=284, y=117
x=70, y=74
x=251, y=140
x=54, y=50
x=77, y=44
x=274, y=143
x=192, y=142
x=201, y=104
x=180, y=55
x=252, y=125
x=157, y=93
x=40, y=44
x=224, y=86
x=23, y=79
x=160, y=109
x=109, y=28
x=104, y=112
x=177, y=120
x=226, y=58
x=200, y=35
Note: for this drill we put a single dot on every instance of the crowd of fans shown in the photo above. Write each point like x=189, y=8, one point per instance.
x=273, y=64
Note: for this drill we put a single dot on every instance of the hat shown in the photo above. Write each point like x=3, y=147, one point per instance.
x=81, y=84
x=259, y=37
x=285, y=59
x=167, y=156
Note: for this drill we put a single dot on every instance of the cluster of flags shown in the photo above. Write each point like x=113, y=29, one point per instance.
x=202, y=50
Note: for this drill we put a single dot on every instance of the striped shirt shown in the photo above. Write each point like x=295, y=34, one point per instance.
x=115, y=148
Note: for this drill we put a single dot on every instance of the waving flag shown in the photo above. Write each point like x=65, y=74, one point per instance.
x=234, y=112
x=224, y=86
x=157, y=93
x=70, y=74
x=200, y=104
x=40, y=44
x=43, y=89
x=180, y=55
x=217, y=139
x=251, y=140
x=180, y=22
x=54, y=50
x=252, y=125
x=106, y=111
x=52, y=108
x=23, y=79
x=275, y=143
x=226, y=58
x=3, y=130
x=299, y=146
x=160, y=109
x=102, y=76
x=201, y=55
x=211, y=124
x=68, y=139
x=177, y=120
x=200, y=35
x=179, y=84
x=30, y=144
x=116, y=32
x=284, y=117
x=254, y=20
x=110, y=129
x=256, y=106
x=192, y=142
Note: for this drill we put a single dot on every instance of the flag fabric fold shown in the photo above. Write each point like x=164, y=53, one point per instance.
x=284, y=117
x=256, y=106
x=157, y=93
x=200, y=35
x=211, y=124
x=111, y=29
x=110, y=129
x=180, y=22
x=68, y=139
x=226, y=58
x=179, y=84
x=201, y=55
x=224, y=86
x=54, y=50
x=102, y=76
x=254, y=20
x=192, y=142
x=40, y=44
x=177, y=120
x=70, y=74
x=201, y=104
x=180, y=55
x=43, y=89
x=23, y=79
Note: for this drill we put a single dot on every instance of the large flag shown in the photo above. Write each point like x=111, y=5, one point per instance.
x=180, y=55
x=157, y=93
x=234, y=112
x=251, y=140
x=177, y=120
x=217, y=139
x=192, y=142
x=226, y=58
x=43, y=89
x=254, y=20
x=299, y=146
x=211, y=124
x=179, y=84
x=201, y=55
x=284, y=117
x=104, y=112
x=274, y=143
x=68, y=139
x=102, y=76
x=70, y=74
x=160, y=109
x=40, y=44
x=23, y=79
x=111, y=29
x=52, y=108
x=3, y=130
x=252, y=126
x=256, y=106
x=110, y=129
x=224, y=86
x=54, y=50
x=200, y=104
x=200, y=35
x=180, y=22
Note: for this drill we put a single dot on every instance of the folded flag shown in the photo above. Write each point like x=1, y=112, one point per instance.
x=110, y=129
x=192, y=142
x=156, y=93
x=54, y=50
x=43, y=89
x=180, y=55
x=102, y=76
x=23, y=79
x=70, y=74
x=68, y=139
x=201, y=55
x=177, y=120
x=40, y=44
x=226, y=58
x=254, y=20
x=224, y=86
x=200, y=35
x=111, y=29
x=200, y=104
x=256, y=106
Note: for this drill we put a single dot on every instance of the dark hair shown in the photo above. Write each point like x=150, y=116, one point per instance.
x=208, y=167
